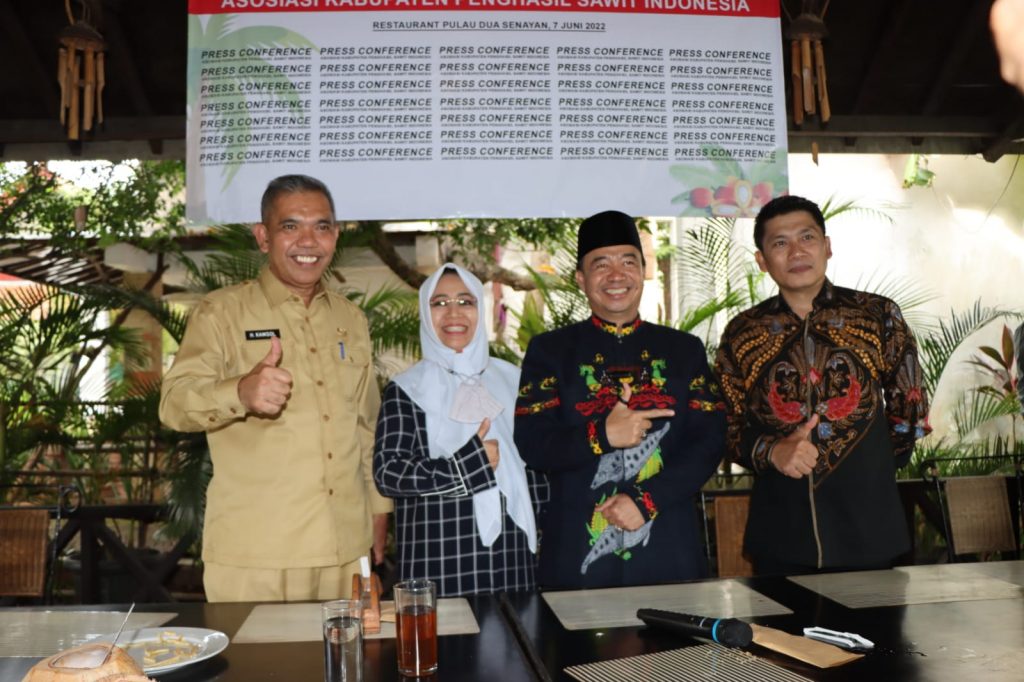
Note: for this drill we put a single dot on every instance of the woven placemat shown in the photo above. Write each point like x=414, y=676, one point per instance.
x=704, y=662
x=302, y=622
x=1010, y=571
x=43, y=633
x=617, y=606
x=908, y=585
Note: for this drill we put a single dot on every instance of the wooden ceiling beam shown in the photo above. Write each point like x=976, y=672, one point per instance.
x=124, y=62
x=969, y=29
x=45, y=83
x=1012, y=136
x=901, y=13
x=116, y=128
x=901, y=126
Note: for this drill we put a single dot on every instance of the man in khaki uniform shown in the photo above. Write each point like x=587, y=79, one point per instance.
x=278, y=372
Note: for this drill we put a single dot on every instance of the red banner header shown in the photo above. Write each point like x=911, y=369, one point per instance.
x=721, y=8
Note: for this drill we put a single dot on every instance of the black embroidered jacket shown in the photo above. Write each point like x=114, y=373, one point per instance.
x=572, y=377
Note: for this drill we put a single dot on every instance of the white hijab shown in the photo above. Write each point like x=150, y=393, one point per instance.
x=457, y=391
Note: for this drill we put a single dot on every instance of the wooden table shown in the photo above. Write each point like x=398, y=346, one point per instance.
x=492, y=655
x=521, y=639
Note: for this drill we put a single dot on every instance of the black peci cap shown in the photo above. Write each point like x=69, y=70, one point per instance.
x=608, y=228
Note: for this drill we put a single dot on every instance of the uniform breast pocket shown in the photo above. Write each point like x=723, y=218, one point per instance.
x=354, y=370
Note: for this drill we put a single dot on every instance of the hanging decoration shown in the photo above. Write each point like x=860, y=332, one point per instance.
x=80, y=72
x=807, y=64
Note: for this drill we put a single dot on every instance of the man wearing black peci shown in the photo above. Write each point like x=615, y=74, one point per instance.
x=626, y=419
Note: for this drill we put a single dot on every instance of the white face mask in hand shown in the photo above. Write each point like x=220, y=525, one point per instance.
x=473, y=403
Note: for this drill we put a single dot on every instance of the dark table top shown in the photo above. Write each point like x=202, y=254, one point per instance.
x=959, y=641
x=491, y=655
x=521, y=639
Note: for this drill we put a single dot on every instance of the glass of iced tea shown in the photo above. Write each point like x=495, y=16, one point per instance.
x=416, y=627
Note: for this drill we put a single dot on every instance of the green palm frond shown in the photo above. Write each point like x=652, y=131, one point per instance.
x=694, y=317
x=392, y=315
x=906, y=292
x=711, y=258
x=938, y=346
x=833, y=207
x=975, y=408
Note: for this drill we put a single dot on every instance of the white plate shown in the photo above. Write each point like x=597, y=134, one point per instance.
x=207, y=643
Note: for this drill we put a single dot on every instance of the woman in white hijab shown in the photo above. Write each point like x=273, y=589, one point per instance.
x=465, y=503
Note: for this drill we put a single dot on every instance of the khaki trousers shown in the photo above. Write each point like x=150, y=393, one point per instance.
x=237, y=583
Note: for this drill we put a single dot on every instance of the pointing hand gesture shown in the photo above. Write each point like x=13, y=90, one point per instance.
x=266, y=388
x=795, y=455
x=626, y=428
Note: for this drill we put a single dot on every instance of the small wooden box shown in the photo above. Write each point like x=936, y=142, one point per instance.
x=371, y=602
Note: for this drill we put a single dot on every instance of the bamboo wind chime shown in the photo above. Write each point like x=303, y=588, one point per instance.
x=80, y=73
x=807, y=65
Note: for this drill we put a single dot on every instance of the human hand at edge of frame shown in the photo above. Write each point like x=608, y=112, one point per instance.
x=795, y=455
x=1007, y=21
x=490, y=446
x=621, y=511
x=267, y=387
x=626, y=428
x=380, y=538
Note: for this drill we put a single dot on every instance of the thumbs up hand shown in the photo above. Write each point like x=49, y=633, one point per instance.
x=490, y=446
x=795, y=455
x=266, y=388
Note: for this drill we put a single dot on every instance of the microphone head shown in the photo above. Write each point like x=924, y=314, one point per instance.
x=732, y=632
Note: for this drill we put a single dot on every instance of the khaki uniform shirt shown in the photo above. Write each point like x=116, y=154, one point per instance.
x=296, y=490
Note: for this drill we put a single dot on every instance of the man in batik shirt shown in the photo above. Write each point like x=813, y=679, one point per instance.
x=627, y=421
x=823, y=389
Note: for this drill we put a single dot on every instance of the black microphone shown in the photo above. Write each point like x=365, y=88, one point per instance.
x=726, y=631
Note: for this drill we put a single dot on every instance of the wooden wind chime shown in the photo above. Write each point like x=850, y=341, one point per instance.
x=807, y=64
x=80, y=73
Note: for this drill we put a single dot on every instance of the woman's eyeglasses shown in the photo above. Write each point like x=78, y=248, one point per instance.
x=458, y=301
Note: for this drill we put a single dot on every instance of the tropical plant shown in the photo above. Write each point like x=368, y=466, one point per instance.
x=52, y=339
x=974, y=407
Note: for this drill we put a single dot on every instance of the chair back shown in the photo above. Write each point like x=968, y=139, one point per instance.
x=731, y=513
x=979, y=515
x=24, y=535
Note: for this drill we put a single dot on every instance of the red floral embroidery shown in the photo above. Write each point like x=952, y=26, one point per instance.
x=841, y=406
x=595, y=443
x=648, y=502
x=787, y=412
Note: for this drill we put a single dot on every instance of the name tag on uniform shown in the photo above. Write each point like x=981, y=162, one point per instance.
x=257, y=334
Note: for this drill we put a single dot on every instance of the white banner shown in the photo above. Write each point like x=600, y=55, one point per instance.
x=487, y=108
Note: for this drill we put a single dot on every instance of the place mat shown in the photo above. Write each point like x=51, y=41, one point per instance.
x=1010, y=571
x=38, y=634
x=301, y=622
x=616, y=606
x=908, y=585
x=707, y=661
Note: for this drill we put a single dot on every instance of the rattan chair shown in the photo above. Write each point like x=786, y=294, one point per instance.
x=978, y=513
x=24, y=534
x=730, y=516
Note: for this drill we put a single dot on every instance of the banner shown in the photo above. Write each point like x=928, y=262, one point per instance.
x=413, y=109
